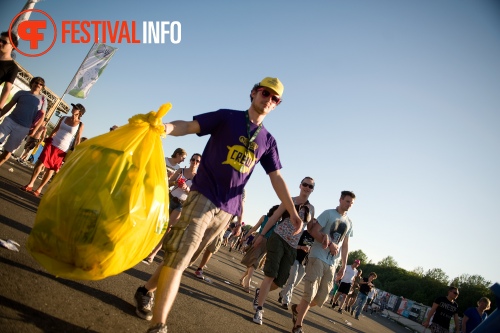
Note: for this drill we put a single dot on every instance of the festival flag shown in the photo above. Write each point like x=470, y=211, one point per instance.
x=90, y=70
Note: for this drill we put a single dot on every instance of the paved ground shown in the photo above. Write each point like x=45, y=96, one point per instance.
x=31, y=300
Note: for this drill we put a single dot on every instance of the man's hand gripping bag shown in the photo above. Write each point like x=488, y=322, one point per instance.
x=107, y=208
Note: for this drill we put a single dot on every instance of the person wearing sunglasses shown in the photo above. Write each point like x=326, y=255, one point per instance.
x=282, y=246
x=8, y=67
x=443, y=309
x=238, y=141
x=26, y=117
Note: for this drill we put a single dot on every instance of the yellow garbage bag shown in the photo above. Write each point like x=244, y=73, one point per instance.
x=107, y=208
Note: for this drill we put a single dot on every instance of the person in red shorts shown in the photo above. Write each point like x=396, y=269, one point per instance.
x=67, y=131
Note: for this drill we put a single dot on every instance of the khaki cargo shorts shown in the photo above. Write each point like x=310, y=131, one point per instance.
x=318, y=281
x=201, y=221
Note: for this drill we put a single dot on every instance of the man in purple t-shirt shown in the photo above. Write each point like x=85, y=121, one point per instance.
x=238, y=141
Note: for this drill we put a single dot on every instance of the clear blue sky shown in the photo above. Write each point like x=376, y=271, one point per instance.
x=395, y=100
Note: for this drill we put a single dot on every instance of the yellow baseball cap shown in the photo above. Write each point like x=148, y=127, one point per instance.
x=274, y=84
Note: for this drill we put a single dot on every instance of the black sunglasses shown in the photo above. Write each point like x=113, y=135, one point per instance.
x=308, y=185
x=195, y=160
x=266, y=93
x=4, y=42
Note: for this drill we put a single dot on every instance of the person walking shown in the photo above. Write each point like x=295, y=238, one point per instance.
x=331, y=233
x=282, y=246
x=475, y=315
x=253, y=256
x=345, y=284
x=353, y=294
x=365, y=287
x=238, y=141
x=297, y=270
x=67, y=132
x=443, y=309
x=18, y=124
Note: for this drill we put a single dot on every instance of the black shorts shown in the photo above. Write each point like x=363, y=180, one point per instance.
x=344, y=288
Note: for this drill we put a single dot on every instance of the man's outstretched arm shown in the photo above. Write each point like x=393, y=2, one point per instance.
x=181, y=127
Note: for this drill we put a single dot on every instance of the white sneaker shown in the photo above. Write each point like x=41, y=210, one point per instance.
x=257, y=317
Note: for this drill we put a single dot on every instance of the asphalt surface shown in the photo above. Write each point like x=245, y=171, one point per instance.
x=32, y=300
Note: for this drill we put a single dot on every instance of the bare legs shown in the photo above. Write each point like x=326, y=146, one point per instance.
x=265, y=287
x=302, y=309
x=4, y=157
x=46, y=177
x=206, y=257
x=246, y=278
x=169, y=281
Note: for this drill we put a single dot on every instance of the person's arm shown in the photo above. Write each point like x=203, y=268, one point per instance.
x=37, y=124
x=315, y=231
x=78, y=136
x=344, y=252
x=7, y=86
x=56, y=128
x=283, y=194
x=457, y=323
x=430, y=314
x=254, y=228
x=239, y=224
x=8, y=106
x=42, y=135
x=181, y=127
x=172, y=179
x=464, y=324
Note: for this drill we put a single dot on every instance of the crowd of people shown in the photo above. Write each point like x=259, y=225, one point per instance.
x=27, y=121
x=207, y=206
x=289, y=241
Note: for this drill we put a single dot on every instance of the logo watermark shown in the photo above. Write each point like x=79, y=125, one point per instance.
x=39, y=34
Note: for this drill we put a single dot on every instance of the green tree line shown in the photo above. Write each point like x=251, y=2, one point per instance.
x=424, y=286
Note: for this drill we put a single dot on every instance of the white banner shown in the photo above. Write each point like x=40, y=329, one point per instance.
x=90, y=70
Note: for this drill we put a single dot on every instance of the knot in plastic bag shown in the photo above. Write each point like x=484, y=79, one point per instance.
x=152, y=119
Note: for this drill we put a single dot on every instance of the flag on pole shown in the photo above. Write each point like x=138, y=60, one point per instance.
x=91, y=69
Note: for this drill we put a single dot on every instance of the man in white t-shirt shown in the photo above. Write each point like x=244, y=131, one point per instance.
x=345, y=284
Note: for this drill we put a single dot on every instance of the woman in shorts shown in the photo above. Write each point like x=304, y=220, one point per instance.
x=252, y=257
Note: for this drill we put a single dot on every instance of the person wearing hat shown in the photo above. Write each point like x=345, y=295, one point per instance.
x=331, y=232
x=353, y=294
x=345, y=284
x=26, y=117
x=238, y=141
x=65, y=136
